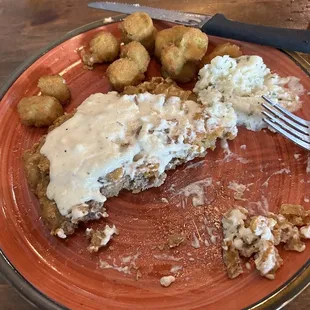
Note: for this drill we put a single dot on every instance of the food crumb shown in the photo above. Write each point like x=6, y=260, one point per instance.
x=195, y=242
x=213, y=239
x=60, y=233
x=108, y=20
x=243, y=147
x=297, y=156
x=167, y=281
x=138, y=275
x=238, y=189
x=305, y=232
x=306, y=199
x=175, y=269
x=175, y=240
x=165, y=200
x=248, y=266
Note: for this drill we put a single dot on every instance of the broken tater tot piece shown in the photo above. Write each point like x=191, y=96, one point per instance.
x=229, y=49
x=104, y=47
x=124, y=72
x=139, y=27
x=55, y=86
x=136, y=52
x=39, y=111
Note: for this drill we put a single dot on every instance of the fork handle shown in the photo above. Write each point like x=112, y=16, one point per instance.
x=288, y=39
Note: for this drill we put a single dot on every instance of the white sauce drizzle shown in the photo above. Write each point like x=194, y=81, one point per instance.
x=308, y=165
x=281, y=171
x=167, y=257
x=175, y=269
x=195, y=242
x=195, y=190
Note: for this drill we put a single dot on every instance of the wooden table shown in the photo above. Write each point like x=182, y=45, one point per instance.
x=28, y=25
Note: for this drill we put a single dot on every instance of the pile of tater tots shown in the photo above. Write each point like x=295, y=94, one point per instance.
x=181, y=51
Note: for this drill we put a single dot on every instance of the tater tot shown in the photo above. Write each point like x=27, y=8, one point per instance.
x=172, y=58
x=187, y=73
x=139, y=27
x=179, y=49
x=39, y=111
x=138, y=53
x=55, y=86
x=167, y=37
x=194, y=44
x=104, y=47
x=124, y=72
x=230, y=49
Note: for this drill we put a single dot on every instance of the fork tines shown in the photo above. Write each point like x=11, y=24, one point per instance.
x=289, y=125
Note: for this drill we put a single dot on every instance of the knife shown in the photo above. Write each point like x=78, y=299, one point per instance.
x=219, y=25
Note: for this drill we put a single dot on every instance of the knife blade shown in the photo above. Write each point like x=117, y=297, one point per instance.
x=188, y=19
x=219, y=25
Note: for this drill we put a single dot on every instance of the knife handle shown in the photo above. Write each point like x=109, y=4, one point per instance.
x=288, y=39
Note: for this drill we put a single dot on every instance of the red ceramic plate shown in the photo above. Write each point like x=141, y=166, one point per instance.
x=53, y=273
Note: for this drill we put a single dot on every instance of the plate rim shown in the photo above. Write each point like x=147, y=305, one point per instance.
x=277, y=298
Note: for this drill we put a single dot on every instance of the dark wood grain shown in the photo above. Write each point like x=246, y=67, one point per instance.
x=28, y=25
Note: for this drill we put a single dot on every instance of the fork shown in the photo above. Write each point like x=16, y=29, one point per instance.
x=289, y=125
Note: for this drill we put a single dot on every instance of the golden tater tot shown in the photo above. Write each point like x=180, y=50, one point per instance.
x=179, y=49
x=139, y=27
x=172, y=59
x=230, y=49
x=39, y=111
x=55, y=86
x=194, y=44
x=138, y=53
x=187, y=73
x=167, y=37
x=123, y=72
x=104, y=47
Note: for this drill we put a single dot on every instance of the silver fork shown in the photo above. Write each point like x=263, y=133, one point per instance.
x=289, y=125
